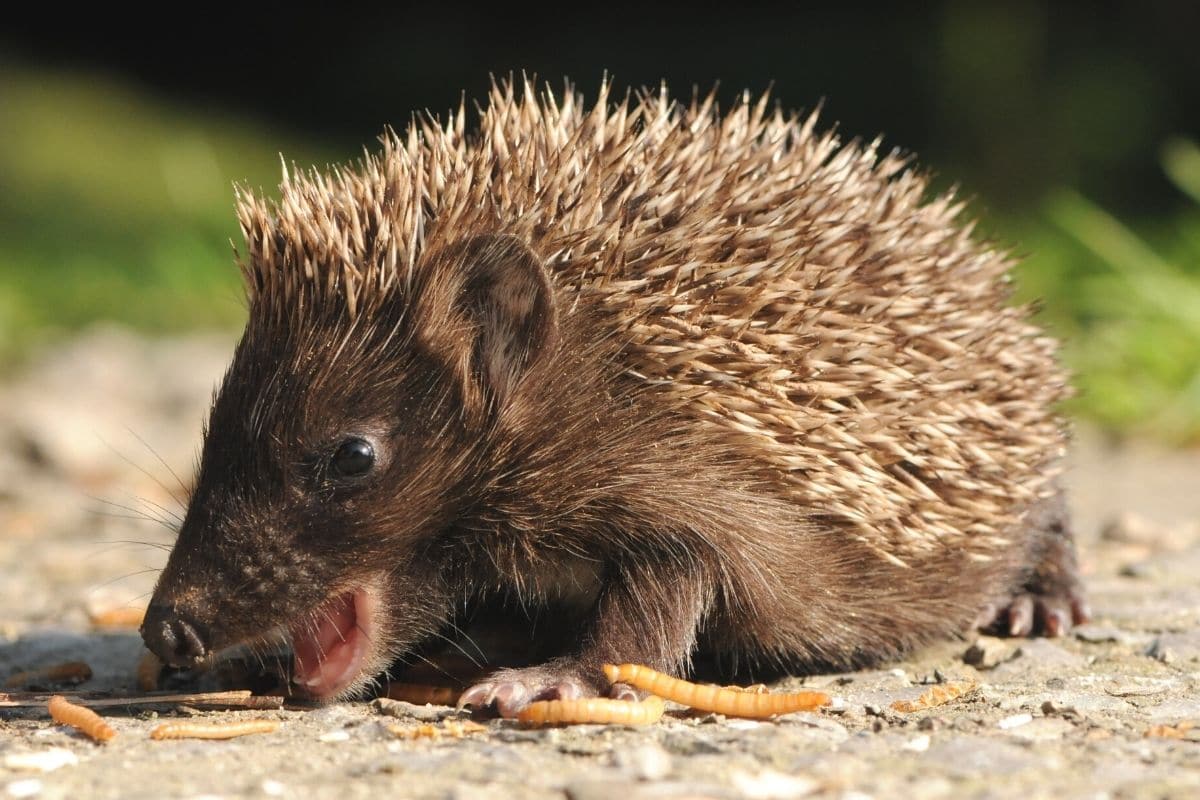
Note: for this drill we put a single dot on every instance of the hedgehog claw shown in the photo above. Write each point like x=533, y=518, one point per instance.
x=510, y=690
x=1029, y=614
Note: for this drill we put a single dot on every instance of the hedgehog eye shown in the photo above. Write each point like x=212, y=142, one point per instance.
x=354, y=457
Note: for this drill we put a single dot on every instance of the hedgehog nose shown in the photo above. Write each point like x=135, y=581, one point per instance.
x=172, y=636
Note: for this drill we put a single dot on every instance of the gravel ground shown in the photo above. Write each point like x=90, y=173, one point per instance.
x=81, y=491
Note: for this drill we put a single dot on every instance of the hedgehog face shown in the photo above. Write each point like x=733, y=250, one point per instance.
x=335, y=456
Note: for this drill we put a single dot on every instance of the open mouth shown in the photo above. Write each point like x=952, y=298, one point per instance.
x=329, y=650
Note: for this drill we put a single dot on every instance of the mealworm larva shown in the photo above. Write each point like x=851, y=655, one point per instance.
x=118, y=617
x=935, y=696
x=213, y=730
x=148, y=669
x=420, y=694
x=730, y=702
x=597, y=710
x=68, y=672
x=64, y=712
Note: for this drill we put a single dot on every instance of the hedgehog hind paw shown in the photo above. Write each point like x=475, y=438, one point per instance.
x=1037, y=614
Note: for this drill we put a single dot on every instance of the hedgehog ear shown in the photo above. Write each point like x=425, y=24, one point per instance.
x=506, y=297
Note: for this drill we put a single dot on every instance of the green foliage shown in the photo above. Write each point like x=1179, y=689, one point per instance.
x=118, y=205
x=1127, y=304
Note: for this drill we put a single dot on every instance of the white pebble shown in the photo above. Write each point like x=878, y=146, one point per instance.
x=41, y=760
x=30, y=787
x=1015, y=721
x=918, y=744
x=273, y=788
x=771, y=785
x=742, y=724
x=334, y=736
x=647, y=762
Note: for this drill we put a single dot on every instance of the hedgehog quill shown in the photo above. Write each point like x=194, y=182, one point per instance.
x=699, y=382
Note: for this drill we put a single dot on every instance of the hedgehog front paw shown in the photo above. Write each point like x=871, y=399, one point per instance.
x=508, y=691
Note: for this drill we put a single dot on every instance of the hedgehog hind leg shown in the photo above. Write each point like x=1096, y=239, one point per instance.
x=1050, y=598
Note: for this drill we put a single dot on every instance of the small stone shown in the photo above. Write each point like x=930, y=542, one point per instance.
x=334, y=736
x=918, y=744
x=1178, y=647
x=742, y=724
x=1139, y=570
x=647, y=762
x=1043, y=729
x=273, y=788
x=1097, y=634
x=1140, y=687
x=988, y=652
x=1053, y=708
x=599, y=790
x=41, y=760
x=403, y=710
x=1015, y=721
x=30, y=787
x=771, y=785
x=1040, y=656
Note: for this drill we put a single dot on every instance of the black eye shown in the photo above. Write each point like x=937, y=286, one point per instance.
x=353, y=457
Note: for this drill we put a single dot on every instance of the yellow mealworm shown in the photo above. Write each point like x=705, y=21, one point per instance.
x=598, y=710
x=82, y=719
x=935, y=696
x=420, y=694
x=730, y=702
x=148, y=669
x=68, y=672
x=215, y=730
x=119, y=617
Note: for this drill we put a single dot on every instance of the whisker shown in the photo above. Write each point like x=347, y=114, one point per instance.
x=139, y=467
x=92, y=590
x=162, y=461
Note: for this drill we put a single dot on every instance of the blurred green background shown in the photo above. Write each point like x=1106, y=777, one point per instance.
x=1072, y=129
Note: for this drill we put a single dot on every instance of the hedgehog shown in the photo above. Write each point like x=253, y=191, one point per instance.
x=684, y=385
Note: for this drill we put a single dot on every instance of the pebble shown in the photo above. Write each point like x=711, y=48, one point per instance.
x=647, y=762
x=1170, y=648
x=41, y=760
x=334, y=736
x=917, y=744
x=1015, y=721
x=771, y=785
x=1097, y=634
x=988, y=652
x=403, y=710
x=30, y=787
